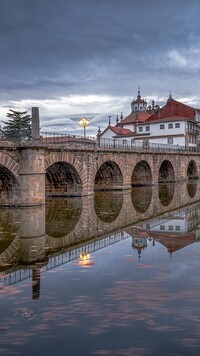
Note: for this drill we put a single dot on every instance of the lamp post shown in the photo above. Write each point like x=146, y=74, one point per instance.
x=84, y=122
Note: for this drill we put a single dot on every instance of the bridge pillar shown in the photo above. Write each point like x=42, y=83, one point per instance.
x=32, y=176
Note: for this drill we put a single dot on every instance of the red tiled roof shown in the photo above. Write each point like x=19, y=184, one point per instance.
x=120, y=131
x=173, y=109
x=117, y=130
x=135, y=117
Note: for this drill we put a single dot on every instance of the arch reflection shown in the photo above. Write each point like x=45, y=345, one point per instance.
x=108, y=205
x=192, y=189
x=9, y=223
x=62, y=216
x=166, y=193
x=141, y=198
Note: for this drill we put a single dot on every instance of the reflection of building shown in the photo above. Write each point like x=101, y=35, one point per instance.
x=173, y=232
x=175, y=123
x=139, y=240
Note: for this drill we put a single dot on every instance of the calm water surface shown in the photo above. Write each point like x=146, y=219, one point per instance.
x=113, y=274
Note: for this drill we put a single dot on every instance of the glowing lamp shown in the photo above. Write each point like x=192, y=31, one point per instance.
x=84, y=122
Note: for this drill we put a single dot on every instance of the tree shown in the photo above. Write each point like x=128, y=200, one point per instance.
x=18, y=126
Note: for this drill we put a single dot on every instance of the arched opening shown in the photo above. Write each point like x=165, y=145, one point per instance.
x=141, y=174
x=9, y=188
x=108, y=177
x=192, y=170
x=141, y=198
x=166, y=172
x=166, y=193
x=108, y=205
x=62, y=179
x=62, y=216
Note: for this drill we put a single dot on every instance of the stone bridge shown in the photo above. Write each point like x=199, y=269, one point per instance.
x=31, y=171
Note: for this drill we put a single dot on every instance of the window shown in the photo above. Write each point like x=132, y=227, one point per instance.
x=170, y=140
x=178, y=228
x=162, y=227
x=162, y=126
x=140, y=128
x=147, y=128
x=170, y=126
x=132, y=141
x=141, y=108
x=171, y=228
x=177, y=125
x=124, y=142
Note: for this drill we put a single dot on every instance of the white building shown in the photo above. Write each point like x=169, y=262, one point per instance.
x=173, y=124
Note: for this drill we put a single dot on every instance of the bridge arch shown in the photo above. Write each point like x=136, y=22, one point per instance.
x=141, y=174
x=9, y=187
x=192, y=170
x=64, y=175
x=9, y=182
x=62, y=179
x=166, y=172
x=108, y=177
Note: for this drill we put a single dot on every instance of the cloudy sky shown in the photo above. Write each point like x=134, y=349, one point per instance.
x=75, y=58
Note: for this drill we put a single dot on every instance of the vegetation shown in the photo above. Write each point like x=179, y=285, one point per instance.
x=17, y=127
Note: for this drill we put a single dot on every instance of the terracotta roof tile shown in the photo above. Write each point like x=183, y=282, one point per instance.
x=173, y=109
x=135, y=117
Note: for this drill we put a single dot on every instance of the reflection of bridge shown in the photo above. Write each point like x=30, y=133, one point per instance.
x=62, y=258
x=45, y=237
x=60, y=169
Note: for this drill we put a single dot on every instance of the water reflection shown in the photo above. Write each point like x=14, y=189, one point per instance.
x=9, y=225
x=192, y=188
x=166, y=193
x=108, y=205
x=141, y=198
x=84, y=280
x=62, y=216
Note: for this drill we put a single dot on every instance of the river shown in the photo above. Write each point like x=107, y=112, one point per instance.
x=112, y=274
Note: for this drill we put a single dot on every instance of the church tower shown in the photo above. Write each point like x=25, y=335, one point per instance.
x=138, y=104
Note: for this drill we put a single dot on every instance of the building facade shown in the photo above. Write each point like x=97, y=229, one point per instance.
x=173, y=124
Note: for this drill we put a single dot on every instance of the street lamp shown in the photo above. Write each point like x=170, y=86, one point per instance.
x=84, y=122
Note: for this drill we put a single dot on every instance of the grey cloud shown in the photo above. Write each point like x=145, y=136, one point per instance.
x=63, y=47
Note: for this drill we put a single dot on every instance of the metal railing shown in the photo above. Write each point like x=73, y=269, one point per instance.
x=93, y=142
x=127, y=144
x=77, y=140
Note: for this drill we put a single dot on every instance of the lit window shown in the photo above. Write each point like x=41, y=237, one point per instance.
x=162, y=126
x=170, y=126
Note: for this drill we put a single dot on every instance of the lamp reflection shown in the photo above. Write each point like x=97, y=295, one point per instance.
x=85, y=260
